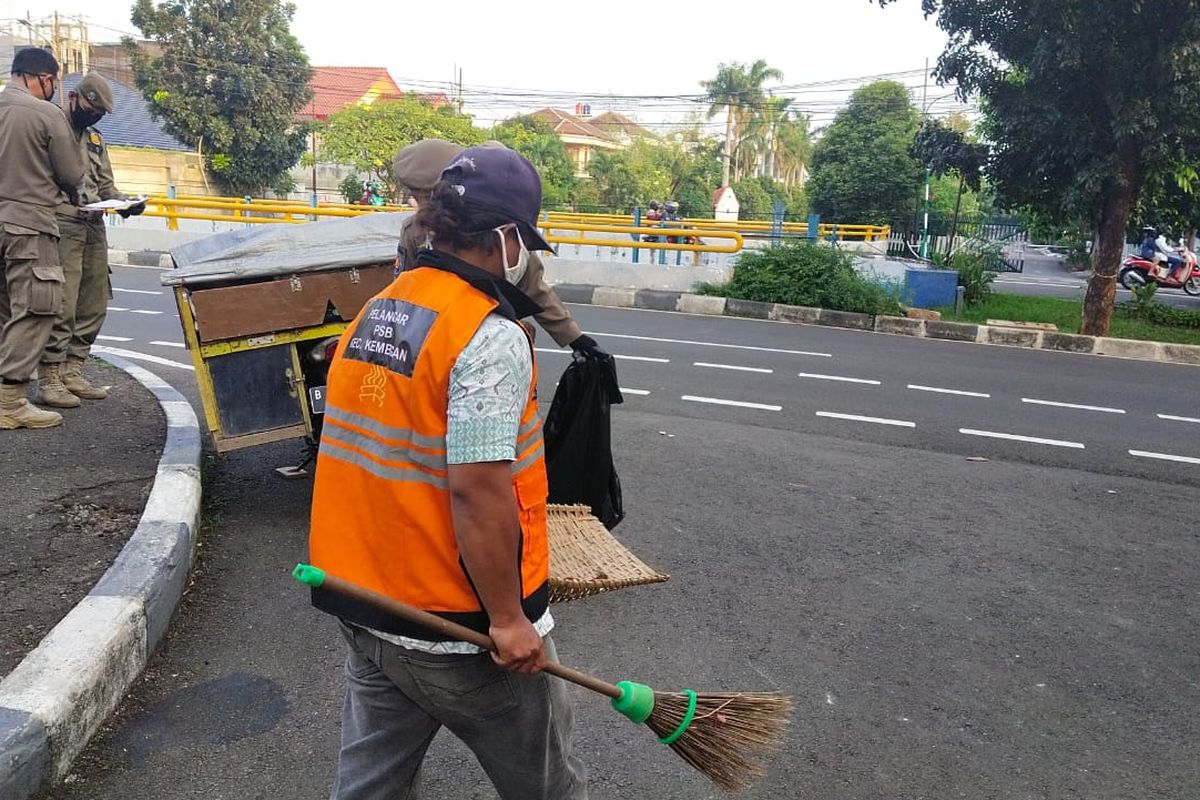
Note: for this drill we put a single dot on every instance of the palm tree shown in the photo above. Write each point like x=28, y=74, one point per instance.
x=793, y=147
x=726, y=91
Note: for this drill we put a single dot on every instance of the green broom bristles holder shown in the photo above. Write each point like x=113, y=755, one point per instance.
x=723, y=735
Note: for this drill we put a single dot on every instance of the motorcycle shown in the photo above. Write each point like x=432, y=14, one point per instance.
x=1139, y=271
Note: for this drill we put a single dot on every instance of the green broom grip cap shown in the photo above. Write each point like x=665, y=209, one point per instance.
x=309, y=575
x=636, y=701
x=687, y=719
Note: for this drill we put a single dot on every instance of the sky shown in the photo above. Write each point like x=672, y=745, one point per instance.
x=645, y=59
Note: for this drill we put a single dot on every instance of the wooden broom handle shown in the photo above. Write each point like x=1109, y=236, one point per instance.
x=459, y=632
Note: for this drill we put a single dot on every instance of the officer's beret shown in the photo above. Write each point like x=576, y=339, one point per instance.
x=419, y=165
x=97, y=92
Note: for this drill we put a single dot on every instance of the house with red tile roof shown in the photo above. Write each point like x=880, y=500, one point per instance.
x=335, y=88
x=580, y=137
x=619, y=127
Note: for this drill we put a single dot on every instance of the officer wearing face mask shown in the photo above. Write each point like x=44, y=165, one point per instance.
x=83, y=251
x=38, y=161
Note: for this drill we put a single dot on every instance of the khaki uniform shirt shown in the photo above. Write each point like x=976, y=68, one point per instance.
x=39, y=159
x=98, y=183
x=554, y=316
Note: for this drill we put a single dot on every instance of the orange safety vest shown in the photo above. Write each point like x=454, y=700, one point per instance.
x=381, y=501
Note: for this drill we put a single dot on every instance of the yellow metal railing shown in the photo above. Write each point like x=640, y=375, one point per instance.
x=260, y=211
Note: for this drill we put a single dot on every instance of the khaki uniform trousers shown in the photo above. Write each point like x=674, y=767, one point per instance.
x=31, y=298
x=83, y=252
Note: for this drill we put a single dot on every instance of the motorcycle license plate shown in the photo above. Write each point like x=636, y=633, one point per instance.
x=316, y=400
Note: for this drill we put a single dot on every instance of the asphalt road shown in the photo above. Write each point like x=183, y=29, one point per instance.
x=957, y=615
x=1047, y=277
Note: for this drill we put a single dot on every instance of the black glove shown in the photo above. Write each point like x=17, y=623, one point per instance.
x=133, y=211
x=586, y=346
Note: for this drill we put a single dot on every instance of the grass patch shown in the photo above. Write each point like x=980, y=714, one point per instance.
x=1067, y=315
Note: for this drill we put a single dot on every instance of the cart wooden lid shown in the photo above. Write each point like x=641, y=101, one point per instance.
x=586, y=559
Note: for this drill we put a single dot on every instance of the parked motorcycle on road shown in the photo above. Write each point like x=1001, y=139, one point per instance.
x=1139, y=271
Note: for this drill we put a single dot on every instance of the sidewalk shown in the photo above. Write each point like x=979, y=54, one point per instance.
x=97, y=536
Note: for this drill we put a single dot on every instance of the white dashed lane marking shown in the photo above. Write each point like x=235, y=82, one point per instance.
x=840, y=379
x=715, y=344
x=897, y=423
x=1174, y=418
x=716, y=401
x=1165, y=457
x=938, y=390
x=134, y=291
x=638, y=392
x=1075, y=406
x=760, y=370
x=170, y=344
x=643, y=358
x=104, y=338
x=1012, y=437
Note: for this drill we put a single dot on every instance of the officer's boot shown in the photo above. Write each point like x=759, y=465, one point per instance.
x=72, y=378
x=51, y=391
x=17, y=412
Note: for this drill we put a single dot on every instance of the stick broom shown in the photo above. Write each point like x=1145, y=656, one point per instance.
x=725, y=736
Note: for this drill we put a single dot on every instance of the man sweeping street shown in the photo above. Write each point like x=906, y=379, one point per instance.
x=83, y=252
x=38, y=160
x=431, y=489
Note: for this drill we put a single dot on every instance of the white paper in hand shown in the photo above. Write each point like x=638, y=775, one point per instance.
x=114, y=205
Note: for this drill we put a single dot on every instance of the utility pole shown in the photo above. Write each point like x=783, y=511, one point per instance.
x=928, y=173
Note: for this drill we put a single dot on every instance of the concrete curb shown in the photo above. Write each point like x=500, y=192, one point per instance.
x=897, y=326
x=155, y=259
x=58, y=696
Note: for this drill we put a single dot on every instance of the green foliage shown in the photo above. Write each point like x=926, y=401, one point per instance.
x=1143, y=297
x=973, y=275
x=1078, y=256
x=351, y=187
x=802, y=273
x=231, y=77
x=862, y=169
x=654, y=169
x=537, y=141
x=1144, y=308
x=1066, y=314
x=754, y=199
x=367, y=137
x=944, y=150
x=1079, y=117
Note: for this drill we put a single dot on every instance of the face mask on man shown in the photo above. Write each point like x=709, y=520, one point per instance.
x=84, y=118
x=514, y=273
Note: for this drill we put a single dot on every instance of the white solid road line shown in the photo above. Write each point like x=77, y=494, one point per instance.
x=715, y=344
x=938, y=390
x=643, y=358
x=133, y=355
x=144, y=311
x=715, y=401
x=104, y=338
x=170, y=344
x=1174, y=418
x=1165, y=457
x=840, y=379
x=898, y=423
x=1102, y=409
x=760, y=370
x=638, y=392
x=1012, y=437
x=134, y=291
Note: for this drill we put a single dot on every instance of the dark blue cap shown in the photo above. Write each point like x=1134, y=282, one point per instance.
x=500, y=182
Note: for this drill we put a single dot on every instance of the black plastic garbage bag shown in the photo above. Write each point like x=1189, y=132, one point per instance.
x=578, y=437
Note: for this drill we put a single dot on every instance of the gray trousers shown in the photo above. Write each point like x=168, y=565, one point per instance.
x=83, y=252
x=518, y=726
x=31, y=297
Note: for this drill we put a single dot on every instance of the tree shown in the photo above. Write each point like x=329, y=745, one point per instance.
x=738, y=89
x=862, y=168
x=537, y=141
x=367, y=137
x=1083, y=101
x=230, y=80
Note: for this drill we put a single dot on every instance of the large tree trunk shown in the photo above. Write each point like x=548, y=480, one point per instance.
x=1107, y=254
x=728, y=146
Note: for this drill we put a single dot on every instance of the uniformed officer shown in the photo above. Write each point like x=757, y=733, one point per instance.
x=39, y=160
x=417, y=167
x=83, y=251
